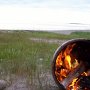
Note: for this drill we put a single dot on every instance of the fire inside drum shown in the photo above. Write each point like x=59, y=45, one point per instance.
x=71, y=64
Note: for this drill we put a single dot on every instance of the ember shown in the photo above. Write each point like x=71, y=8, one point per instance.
x=71, y=65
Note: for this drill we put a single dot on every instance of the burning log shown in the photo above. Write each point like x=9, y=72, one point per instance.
x=73, y=74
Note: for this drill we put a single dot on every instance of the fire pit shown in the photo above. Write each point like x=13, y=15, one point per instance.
x=71, y=65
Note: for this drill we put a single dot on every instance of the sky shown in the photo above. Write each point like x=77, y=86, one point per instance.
x=45, y=14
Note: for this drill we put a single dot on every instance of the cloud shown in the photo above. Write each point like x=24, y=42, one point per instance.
x=37, y=14
x=26, y=17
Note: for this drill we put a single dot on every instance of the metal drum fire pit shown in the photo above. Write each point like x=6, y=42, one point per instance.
x=71, y=65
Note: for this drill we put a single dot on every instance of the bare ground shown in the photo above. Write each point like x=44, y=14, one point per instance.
x=52, y=41
x=43, y=82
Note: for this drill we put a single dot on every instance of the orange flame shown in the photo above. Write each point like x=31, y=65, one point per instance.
x=72, y=86
x=66, y=63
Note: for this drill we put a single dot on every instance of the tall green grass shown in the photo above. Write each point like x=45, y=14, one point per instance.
x=20, y=56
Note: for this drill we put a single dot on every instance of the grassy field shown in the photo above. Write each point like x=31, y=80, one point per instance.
x=21, y=56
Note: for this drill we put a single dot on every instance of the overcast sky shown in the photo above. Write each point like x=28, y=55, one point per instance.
x=45, y=14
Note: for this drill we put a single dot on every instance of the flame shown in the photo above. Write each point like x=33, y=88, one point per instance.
x=72, y=85
x=68, y=62
x=84, y=74
x=75, y=64
x=59, y=61
x=65, y=63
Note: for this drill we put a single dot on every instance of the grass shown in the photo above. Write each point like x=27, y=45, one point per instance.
x=17, y=51
x=59, y=36
x=19, y=55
